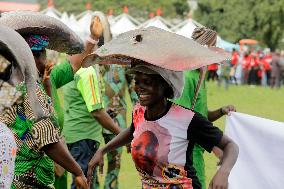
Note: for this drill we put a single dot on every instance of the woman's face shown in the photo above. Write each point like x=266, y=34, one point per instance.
x=40, y=60
x=145, y=151
x=149, y=88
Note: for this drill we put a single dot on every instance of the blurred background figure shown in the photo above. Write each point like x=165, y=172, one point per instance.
x=276, y=69
x=234, y=65
x=224, y=77
x=117, y=84
x=212, y=72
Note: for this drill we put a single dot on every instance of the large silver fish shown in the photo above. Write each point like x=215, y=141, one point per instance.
x=158, y=47
x=14, y=48
x=61, y=37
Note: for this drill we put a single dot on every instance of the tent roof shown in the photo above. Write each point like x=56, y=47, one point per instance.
x=51, y=11
x=111, y=20
x=158, y=22
x=248, y=41
x=187, y=29
x=133, y=20
x=64, y=18
x=83, y=14
x=123, y=24
x=228, y=46
x=84, y=20
x=73, y=24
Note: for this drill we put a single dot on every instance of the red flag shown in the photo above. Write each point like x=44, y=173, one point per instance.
x=88, y=5
x=159, y=12
x=125, y=9
x=151, y=15
x=50, y=3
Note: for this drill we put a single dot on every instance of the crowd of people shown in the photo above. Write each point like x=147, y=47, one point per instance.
x=250, y=67
x=171, y=123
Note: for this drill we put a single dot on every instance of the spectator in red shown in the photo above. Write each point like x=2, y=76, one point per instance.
x=265, y=68
x=253, y=78
x=246, y=67
x=234, y=64
x=212, y=72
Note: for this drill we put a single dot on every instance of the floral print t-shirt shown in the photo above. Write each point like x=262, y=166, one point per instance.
x=162, y=148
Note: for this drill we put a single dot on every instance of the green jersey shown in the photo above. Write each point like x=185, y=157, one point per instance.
x=191, y=80
x=60, y=75
x=81, y=97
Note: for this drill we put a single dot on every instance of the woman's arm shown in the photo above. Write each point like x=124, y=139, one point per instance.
x=230, y=154
x=216, y=114
x=106, y=121
x=46, y=78
x=58, y=153
x=96, y=30
x=121, y=139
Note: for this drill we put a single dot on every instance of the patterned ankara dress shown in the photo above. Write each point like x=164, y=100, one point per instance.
x=33, y=168
x=115, y=85
x=8, y=149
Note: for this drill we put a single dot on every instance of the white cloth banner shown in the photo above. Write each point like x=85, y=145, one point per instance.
x=260, y=164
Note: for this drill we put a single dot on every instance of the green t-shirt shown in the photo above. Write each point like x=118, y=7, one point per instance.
x=191, y=80
x=81, y=97
x=60, y=75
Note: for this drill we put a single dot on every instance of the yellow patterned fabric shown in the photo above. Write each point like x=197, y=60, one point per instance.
x=33, y=169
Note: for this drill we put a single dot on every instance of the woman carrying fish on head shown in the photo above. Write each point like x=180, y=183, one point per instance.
x=163, y=134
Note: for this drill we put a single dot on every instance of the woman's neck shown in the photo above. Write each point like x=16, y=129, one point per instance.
x=156, y=110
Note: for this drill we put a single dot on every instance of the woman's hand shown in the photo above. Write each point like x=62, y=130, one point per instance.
x=81, y=182
x=47, y=70
x=97, y=160
x=219, y=181
x=96, y=27
x=225, y=110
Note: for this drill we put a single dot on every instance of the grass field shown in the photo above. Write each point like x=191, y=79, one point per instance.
x=258, y=101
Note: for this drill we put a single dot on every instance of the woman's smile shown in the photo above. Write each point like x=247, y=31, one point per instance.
x=144, y=97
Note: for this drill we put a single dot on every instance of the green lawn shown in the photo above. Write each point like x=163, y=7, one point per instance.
x=258, y=101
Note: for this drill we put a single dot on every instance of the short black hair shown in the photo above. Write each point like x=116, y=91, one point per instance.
x=38, y=53
x=169, y=93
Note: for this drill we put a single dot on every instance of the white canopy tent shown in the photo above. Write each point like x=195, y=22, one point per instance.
x=65, y=18
x=73, y=24
x=158, y=22
x=123, y=23
x=84, y=20
x=111, y=20
x=52, y=12
x=186, y=27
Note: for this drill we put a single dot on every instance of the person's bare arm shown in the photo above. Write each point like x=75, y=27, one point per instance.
x=216, y=114
x=46, y=78
x=106, y=121
x=121, y=139
x=96, y=31
x=230, y=154
x=59, y=154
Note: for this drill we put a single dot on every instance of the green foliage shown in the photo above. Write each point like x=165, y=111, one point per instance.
x=236, y=19
x=138, y=8
x=181, y=7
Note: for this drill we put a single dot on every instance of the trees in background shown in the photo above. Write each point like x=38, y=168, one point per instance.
x=138, y=8
x=236, y=19
x=233, y=19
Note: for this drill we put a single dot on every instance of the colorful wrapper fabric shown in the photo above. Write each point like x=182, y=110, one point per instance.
x=37, y=42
